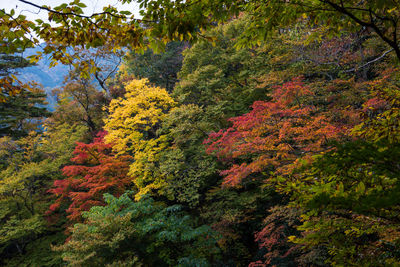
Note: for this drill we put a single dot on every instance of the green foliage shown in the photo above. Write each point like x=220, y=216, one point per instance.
x=38, y=253
x=338, y=203
x=188, y=170
x=22, y=113
x=139, y=233
x=381, y=113
x=160, y=69
x=19, y=113
x=15, y=32
x=29, y=166
x=236, y=215
x=351, y=200
x=10, y=63
x=219, y=77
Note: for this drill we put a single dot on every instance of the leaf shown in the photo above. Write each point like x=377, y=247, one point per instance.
x=360, y=188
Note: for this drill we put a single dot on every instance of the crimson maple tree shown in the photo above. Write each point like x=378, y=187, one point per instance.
x=278, y=133
x=96, y=171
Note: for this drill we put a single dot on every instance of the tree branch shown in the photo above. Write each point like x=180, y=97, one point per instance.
x=369, y=62
x=370, y=24
x=80, y=15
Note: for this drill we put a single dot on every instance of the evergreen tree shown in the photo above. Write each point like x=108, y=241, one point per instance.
x=22, y=112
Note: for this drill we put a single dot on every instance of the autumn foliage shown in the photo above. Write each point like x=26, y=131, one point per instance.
x=276, y=133
x=96, y=171
x=298, y=101
x=132, y=127
x=135, y=118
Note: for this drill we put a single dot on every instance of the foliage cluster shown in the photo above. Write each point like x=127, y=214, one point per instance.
x=274, y=141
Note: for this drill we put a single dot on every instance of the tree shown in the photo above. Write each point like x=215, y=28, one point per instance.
x=220, y=78
x=129, y=233
x=19, y=113
x=14, y=38
x=97, y=171
x=160, y=69
x=236, y=215
x=351, y=208
x=273, y=136
x=132, y=127
x=28, y=167
x=380, y=112
x=22, y=113
x=96, y=65
x=349, y=196
x=135, y=118
x=169, y=20
x=187, y=169
x=79, y=102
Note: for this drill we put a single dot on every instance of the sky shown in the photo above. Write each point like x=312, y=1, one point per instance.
x=33, y=13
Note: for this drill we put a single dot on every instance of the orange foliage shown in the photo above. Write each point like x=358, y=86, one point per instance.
x=97, y=171
x=277, y=133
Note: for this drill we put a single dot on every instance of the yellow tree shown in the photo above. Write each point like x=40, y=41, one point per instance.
x=132, y=128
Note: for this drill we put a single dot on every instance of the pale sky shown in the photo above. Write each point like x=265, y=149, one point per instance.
x=33, y=13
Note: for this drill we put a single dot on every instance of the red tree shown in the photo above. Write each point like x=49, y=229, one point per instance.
x=97, y=171
x=277, y=134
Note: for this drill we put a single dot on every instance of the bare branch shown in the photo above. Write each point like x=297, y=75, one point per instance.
x=369, y=62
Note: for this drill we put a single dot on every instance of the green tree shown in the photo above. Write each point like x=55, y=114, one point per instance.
x=160, y=69
x=146, y=233
x=187, y=169
x=219, y=77
x=351, y=208
x=10, y=63
x=19, y=113
x=22, y=113
x=28, y=167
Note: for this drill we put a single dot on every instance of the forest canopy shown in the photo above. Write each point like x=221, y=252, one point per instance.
x=202, y=133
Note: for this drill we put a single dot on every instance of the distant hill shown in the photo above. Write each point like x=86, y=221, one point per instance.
x=50, y=78
x=42, y=73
